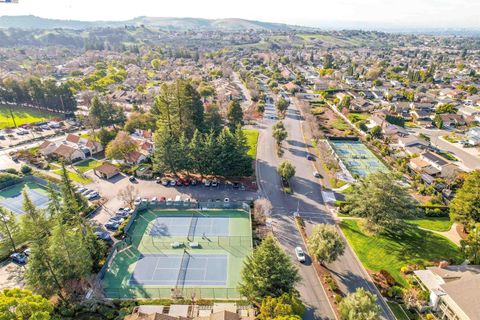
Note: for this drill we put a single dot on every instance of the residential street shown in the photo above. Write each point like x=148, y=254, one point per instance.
x=308, y=198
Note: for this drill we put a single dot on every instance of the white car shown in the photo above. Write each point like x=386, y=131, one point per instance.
x=154, y=200
x=300, y=254
x=316, y=174
x=207, y=183
x=137, y=201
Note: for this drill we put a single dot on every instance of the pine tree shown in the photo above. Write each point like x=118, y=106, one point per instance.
x=9, y=227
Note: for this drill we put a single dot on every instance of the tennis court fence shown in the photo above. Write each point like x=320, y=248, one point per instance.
x=213, y=242
x=139, y=292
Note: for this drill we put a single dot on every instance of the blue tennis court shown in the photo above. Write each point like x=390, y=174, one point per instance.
x=180, y=269
x=187, y=226
x=12, y=198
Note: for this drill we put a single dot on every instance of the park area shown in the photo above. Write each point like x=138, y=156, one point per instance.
x=252, y=138
x=357, y=158
x=11, y=198
x=391, y=252
x=22, y=115
x=180, y=253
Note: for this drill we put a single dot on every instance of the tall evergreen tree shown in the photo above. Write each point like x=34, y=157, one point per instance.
x=9, y=227
x=234, y=115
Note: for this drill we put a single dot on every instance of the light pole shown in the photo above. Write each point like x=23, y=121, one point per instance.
x=298, y=202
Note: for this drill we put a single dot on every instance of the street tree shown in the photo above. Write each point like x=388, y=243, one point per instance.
x=120, y=147
x=381, y=201
x=22, y=304
x=465, y=207
x=287, y=305
x=282, y=106
x=279, y=133
x=360, y=305
x=325, y=244
x=268, y=271
x=9, y=227
x=234, y=115
x=286, y=170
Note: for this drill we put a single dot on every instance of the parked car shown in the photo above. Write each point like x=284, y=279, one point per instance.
x=81, y=189
x=214, y=183
x=163, y=199
x=316, y=174
x=179, y=183
x=19, y=258
x=116, y=219
x=186, y=182
x=87, y=191
x=93, y=195
x=300, y=254
x=137, y=201
x=158, y=180
x=132, y=179
x=207, y=183
x=153, y=200
x=27, y=252
x=165, y=182
x=236, y=185
x=112, y=225
x=103, y=235
x=193, y=182
x=122, y=213
x=173, y=183
x=309, y=157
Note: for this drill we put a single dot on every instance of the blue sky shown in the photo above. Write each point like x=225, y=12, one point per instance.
x=387, y=13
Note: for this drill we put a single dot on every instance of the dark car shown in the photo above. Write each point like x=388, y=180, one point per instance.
x=309, y=157
x=19, y=258
x=186, y=182
x=113, y=226
x=236, y=185
x=132, y=179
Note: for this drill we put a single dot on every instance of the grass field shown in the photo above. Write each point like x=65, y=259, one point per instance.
x=355, y=117
x=74, y=177
x=440, y=224
x=86, y=165
x=236, y=246
x=22, y=115
x=341, y=125
x=252, y=138
x=391, y=252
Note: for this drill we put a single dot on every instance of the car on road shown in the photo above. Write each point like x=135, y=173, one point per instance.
x=309, y=157
x=300, y=254
x=132, y=179
x=18, y=258
x=112, y=225
x=316, y=174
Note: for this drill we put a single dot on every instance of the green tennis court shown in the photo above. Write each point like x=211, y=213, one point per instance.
x=357, y=158
x=12, y=197
x=181, y=253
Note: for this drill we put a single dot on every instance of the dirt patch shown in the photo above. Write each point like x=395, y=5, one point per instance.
x=11, y=275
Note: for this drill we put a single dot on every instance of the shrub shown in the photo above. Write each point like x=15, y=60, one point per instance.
x=388, y=277
x=26, y=169
x=11, y=171
x=338, y=298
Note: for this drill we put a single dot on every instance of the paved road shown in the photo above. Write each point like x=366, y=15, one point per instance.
x=469, y=158
x=308, y=198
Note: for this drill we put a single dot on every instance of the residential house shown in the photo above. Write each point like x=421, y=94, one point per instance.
x=47, y=148
x=135, y=157
x=412, y=141
x=92, y=145
x=68, y=153
x=453, y=291
x=433, y=165
x=361, y=105
x=106, y=171
x=422, y=117
x=452, y=120
x=473, y=136
x=471, y=113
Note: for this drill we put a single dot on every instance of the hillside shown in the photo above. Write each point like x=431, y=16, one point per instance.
x=33, y=22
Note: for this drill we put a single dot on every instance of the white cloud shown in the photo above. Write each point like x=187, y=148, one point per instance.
x=434, y=13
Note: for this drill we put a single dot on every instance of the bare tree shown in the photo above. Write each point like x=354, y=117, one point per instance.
x=128, y=195
x=262, y=208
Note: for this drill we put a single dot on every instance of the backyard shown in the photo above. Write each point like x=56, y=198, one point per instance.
x=440, y=224
x=22, y=115
x=86, y=165
x=391, y=252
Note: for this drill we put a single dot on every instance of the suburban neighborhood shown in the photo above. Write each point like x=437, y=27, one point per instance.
x=208, y=169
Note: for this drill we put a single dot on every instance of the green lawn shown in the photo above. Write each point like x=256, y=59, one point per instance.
x=74, y=177
x=87, y=165
x=355, y=117
x=341, y=125
x=391, y=252
x=22, y=115
x=252, y=138
x=433, y=223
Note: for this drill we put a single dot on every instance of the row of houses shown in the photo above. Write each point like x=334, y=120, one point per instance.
x=72, y=149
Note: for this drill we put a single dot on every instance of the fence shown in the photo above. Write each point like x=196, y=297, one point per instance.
x=169, y=293
x=204, y=205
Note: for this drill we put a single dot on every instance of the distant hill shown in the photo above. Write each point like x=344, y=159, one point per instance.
x=33, y=22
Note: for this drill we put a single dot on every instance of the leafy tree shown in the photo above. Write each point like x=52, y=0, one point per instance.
x=268, y=271
x=105, y=136
x=234, y=115
x=120, y=147
x=286, y=170
x=139, y=120
x=380, y=200
x=465, y=207
x=287, y=305
x=376, y=131
x=437, y=121
x=279, y=133
x=471, y=245
x=22, y=304
x=25, y=169
x=446, y=108
x=325, y=244
x=205, y=90
x=282, y=106
x=9, y=227
x=360, y=305
x=104, y=114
